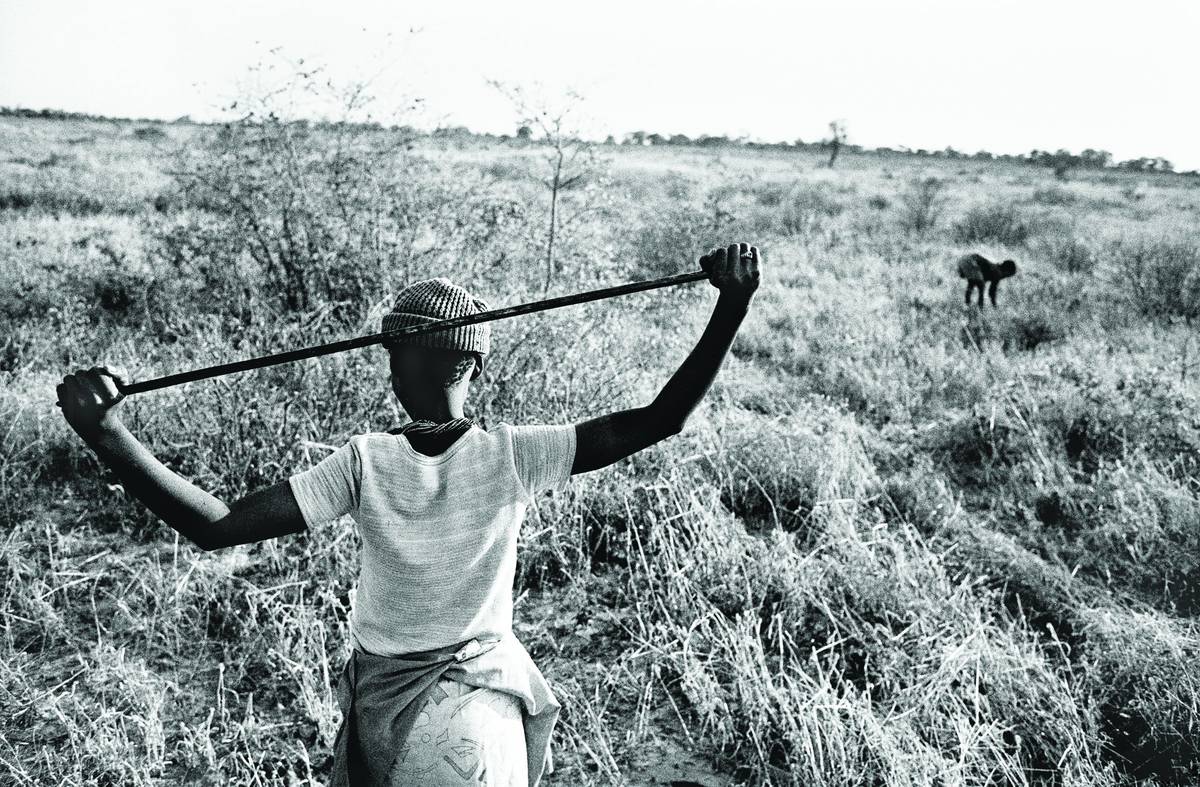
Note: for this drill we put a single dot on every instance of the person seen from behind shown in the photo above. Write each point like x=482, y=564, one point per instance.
x=437, y=689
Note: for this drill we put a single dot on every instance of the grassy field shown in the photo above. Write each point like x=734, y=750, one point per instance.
x=902, y=542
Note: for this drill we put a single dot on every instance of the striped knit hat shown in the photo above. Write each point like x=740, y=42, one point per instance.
x=430, y=300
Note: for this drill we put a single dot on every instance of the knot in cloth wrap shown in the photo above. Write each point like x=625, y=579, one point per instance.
x=431, y=300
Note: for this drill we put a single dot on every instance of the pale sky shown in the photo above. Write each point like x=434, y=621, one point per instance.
x=1002, y=75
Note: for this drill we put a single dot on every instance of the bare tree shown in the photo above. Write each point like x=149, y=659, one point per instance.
x=837, y=138
x=570, y=160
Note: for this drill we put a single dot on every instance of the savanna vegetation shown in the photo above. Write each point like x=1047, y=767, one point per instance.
x=902, y=542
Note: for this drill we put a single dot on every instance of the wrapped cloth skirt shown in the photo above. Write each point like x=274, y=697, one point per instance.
x=405, y=721
x=464, y=735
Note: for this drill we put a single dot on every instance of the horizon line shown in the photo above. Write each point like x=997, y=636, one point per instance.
x=948, y=152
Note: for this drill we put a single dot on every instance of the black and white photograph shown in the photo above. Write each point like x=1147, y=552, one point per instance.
x=542, y=394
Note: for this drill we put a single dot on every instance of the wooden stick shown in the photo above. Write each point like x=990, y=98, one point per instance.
x=379, y=338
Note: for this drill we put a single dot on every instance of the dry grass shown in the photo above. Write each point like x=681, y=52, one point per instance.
x=897, y=544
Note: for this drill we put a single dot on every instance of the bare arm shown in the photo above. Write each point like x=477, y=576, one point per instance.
x=609, y=438
x=88, y=399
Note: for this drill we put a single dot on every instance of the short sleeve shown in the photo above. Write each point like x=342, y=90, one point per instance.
x=543, y=455
x=328, y=489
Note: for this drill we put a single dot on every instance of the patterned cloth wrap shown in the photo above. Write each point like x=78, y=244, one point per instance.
x=404, y=724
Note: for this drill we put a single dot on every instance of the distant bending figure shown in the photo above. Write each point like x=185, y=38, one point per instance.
x=978, y=270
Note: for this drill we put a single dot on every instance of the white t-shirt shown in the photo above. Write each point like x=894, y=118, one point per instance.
x=439, y=533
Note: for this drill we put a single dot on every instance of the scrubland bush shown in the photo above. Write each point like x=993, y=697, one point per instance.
x=318, y=220
x=673, y=234
x=1134, y=667
x=803, y=208
x=1135, y=192
x=120, y=292
x=1001, y=223
x=508, y=170
x=678, y=188
x=1023, y=330
x=795, y=208
x=1068, y=252
x=70, y=185
x=340, y=223
x=1053, y=195
x=921, y=204
x=127, y=719
x=771, y=193
x=1107, y=473
x=26, y=297
x=751, y=387
x=1162, y=275
x=1031, y=328
x=149, y=133
x=667, y=241
x=212, y=271
x=915, y=491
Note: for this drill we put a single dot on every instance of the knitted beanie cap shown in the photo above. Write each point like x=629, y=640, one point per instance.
x=431, y=300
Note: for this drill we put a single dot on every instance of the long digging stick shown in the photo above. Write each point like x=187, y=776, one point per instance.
x=378, y=338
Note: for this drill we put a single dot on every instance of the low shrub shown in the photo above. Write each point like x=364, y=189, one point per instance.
x=669, y=240
x=1135, y=192
x=1161, y=274
x=1068, y=252
x=1052, y=195
x=805, y=207
x=1029, y=329
x=771, y=193
x=921, y=204
x=1023, y=330
x=149, y=133
x=999, y=223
